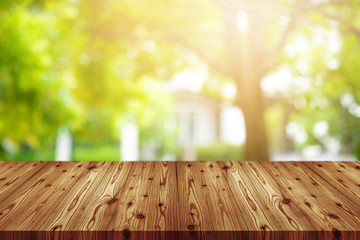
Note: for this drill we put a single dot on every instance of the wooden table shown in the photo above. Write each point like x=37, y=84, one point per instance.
x=179, y=200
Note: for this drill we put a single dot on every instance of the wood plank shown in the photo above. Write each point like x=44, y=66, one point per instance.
x=224, y=209
x=352, y=168
x=336, y=207
x=131, y=211
x=76, y=198
x=10, y=171
x=13, y=180
x=180, y=200
x=258, y=216
x=309, y=204
x=6, y=167
x=332, y=184
x=163, y=199
x=195, y=216
x=26, y=193
x=98, y=212
x=54, y=188
x=340, y=174
x=276, y=199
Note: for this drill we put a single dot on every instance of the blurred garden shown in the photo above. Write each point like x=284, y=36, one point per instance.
x=179, y=80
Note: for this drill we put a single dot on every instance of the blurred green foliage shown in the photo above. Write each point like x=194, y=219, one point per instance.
x=80, y=153
x=219, y=152
x=87, y=65
x=90, y=65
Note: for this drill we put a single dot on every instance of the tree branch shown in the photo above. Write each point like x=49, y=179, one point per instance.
x=299, y=9
x=343, y=21
x=202, y=55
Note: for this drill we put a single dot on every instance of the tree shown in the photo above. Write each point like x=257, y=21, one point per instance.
x=248, y=52
x=30, y=106
x=88, y=76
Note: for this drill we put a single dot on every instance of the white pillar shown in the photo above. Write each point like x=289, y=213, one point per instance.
x=129, y=143
x=63, y=145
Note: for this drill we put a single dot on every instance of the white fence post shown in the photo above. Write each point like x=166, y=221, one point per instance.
x=63, y=145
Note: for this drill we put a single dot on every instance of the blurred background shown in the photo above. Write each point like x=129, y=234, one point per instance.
x=179, y=80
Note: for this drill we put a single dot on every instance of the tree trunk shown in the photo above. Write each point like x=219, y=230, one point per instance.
x=256, y=145
x=246, y=64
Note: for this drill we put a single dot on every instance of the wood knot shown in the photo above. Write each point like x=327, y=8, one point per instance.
x=126, y=233
x=73, y=176
x=225, y=168
x=150, y=179
x=337, y=233
x=129, y=204
x=56, y=227
x=308, y=204
x=145, y=195
x=131, y=188
x=4, y=178
x=91, y=168
x=297, y=179
x=79, y=166
x=202, y=170
x=333, y=216
x=286, y=201
x=188, y=165
x=211, y=166
x=161, y=204
x=339, y=204
x=191, y=227
x=338, y=170
x=111, y=201
x=204, y=185
x=342, y=166
x=65, y=170
x=319, y=165
x=263, y=227
x=357, y=167
x=289, y=188
x=312, y=195
x=140, y=216
x=276, y=175
x=340, y=180
x=58, y=165
x=48, y=185
x=217, y=176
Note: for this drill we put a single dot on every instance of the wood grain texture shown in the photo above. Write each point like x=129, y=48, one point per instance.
x=76, y=199
x=278, y=201
x=14, y=179
x=179, y=200
x=257, y=215
x=131, y=210
x=163, y=202
x=336, y=208
x=52, y=191
x=195, y=214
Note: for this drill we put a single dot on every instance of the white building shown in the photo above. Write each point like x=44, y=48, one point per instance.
x=202, y=120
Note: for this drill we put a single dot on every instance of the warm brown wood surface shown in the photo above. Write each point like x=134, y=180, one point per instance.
x=179, y=200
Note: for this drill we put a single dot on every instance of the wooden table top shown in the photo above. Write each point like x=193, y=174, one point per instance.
x=120, y=200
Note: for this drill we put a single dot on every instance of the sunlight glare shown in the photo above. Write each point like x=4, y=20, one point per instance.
x=242, y=21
